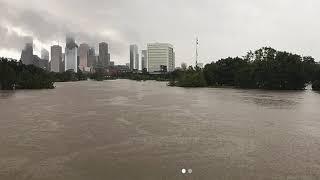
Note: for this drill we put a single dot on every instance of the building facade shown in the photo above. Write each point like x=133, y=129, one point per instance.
x=45, y=54
x=104, y=56
x=83, y=56
x=144, y=59
x=161, y=58
x=92, y=58
x=27, y=54
x=134, y=57
x=71, y=55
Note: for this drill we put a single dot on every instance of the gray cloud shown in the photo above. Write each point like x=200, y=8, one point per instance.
x=225, y=27
x=11, y=40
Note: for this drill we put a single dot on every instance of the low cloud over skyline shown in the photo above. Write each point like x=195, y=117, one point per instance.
x=224, y=27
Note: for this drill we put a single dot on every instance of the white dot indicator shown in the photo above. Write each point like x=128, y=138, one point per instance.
x=190, y=171
x=183, y=171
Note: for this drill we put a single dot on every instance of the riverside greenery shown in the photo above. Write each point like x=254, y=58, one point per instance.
x=265, y=68
x=15, y=75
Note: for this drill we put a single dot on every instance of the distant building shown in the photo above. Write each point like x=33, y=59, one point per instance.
x=111, y=63
x=44, y=54
x=83, y=56
x=63, y=64
x=144, y=59
x=161, y=57
x=104, y=56
x=44, y=61
x=36, y=60
x=56, y=58
x=27, y=54
x=134, y=57
x=92, y=58
x=71, y=55
x=44, y=64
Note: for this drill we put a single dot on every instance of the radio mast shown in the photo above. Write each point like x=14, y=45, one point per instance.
x=197, y=43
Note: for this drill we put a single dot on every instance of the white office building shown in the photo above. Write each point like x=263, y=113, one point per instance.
x=161, y=58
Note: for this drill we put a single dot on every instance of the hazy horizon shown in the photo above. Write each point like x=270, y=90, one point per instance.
x=225, y=28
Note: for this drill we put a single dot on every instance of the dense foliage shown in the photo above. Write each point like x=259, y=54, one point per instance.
x=191, y=77
x=69, y=76
x=17, y=75
x=265, y=68
x=144, y=76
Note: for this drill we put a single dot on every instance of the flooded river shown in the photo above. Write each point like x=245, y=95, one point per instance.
x=128, y=130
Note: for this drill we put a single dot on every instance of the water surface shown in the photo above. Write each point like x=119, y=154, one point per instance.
x=145, y=130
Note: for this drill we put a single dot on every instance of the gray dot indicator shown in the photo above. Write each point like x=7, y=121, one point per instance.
x=190, y=171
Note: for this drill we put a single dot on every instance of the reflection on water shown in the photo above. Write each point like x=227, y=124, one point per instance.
x=6, y=94
x=145, y=130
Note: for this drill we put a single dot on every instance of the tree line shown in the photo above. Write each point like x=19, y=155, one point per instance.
x=16, y=75
x=265, y=68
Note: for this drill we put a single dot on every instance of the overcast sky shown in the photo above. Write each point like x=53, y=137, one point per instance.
x=224, y=27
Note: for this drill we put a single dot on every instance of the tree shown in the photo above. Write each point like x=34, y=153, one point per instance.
x=210, y=71
x=184, y=66
x=15, y=74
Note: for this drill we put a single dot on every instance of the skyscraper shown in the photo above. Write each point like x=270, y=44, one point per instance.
x=44, y=54
x=104, y=56
x=44, y=61
x=134, y=57
x=83, y=56
x=161, y=57
x=92, y=58
x=56, y=58
x=71, y=55
x=27, y=54
x=144, y=59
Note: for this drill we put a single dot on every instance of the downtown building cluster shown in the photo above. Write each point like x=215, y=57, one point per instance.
x=74, y=58
x=157, y=58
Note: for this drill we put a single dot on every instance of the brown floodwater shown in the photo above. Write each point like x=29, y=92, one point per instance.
x=128, y=130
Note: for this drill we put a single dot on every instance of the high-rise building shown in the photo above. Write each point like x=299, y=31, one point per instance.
x=56, y=58
x=134, y=57
x=92, y=58
x=44, y=54
x=44, y=61
x=36, y=60
x=144, y=59
x=83, y=56
x=71, y=55
x=104, y=56
x=161, y=57
x=27, y=54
